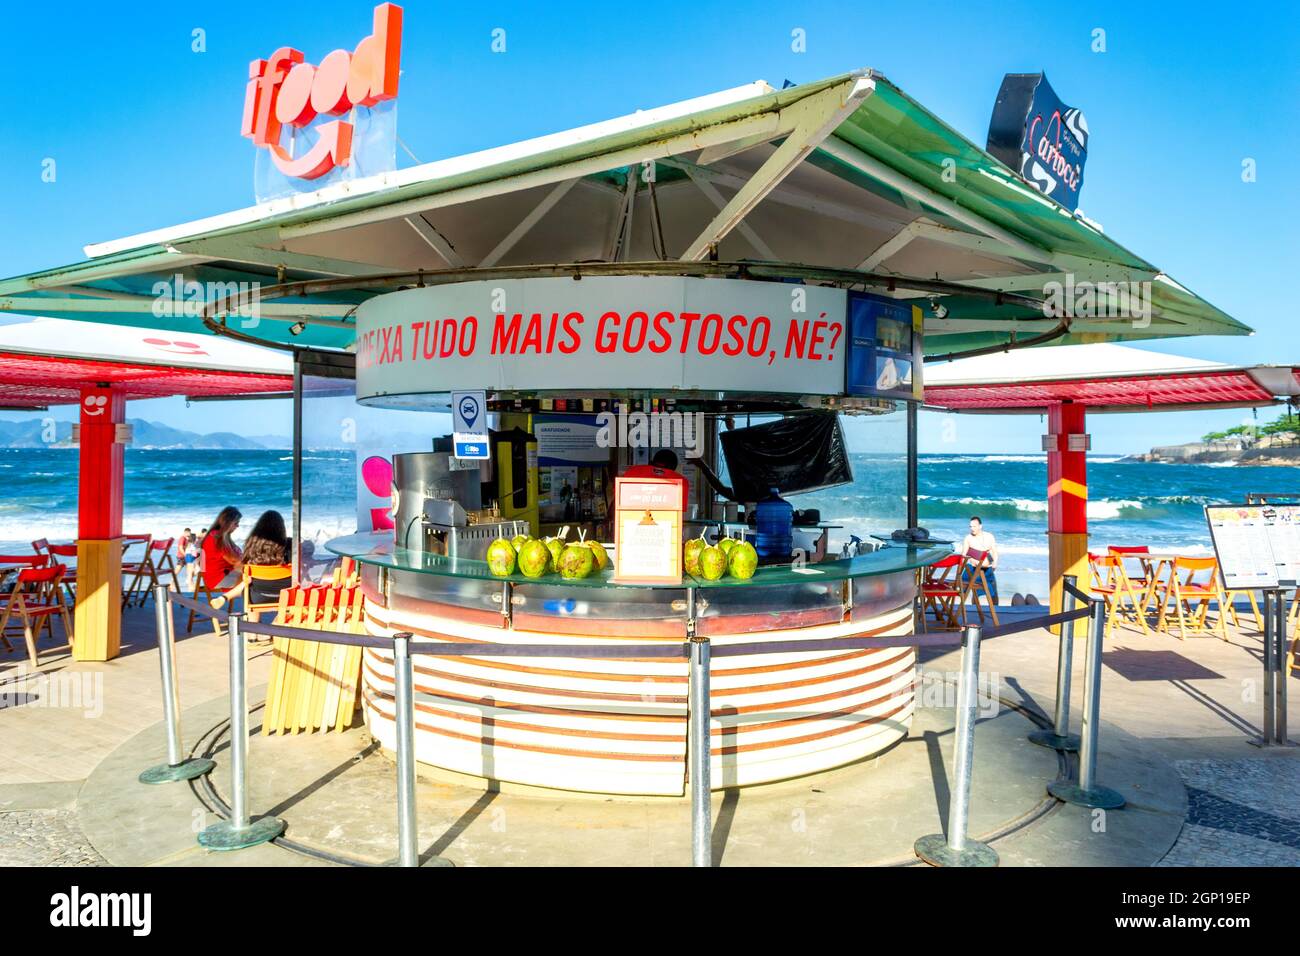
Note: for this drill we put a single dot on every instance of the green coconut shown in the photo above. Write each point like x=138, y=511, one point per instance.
x=726, y=544
x=713, y=563
x=554, y=546
x=691, y=554
x=598, y=554
x=576, y=561
x=534, y=559
x=742, y=561
x=518, y=541
x=501, y=557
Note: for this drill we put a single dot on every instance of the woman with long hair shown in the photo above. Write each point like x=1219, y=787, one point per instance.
x=221, y=555
x=268, y=545
x=268, y=542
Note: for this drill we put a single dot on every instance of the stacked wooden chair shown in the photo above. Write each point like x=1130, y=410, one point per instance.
x=315, y=685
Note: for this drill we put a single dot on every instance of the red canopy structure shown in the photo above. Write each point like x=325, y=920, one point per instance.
x=1103, y=377
x=47, y=362
x=1065, y=383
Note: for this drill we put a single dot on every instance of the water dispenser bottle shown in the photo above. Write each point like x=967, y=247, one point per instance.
x=774, y=523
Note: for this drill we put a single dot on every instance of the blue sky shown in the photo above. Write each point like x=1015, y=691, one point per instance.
x=144, y=131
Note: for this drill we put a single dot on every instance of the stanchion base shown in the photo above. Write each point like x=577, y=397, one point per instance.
x=1054, y=741
x=170, y=773
x=1099, y=798
x=1263, y=744
x=934, y=849
x=223, y=836
x=431, y=862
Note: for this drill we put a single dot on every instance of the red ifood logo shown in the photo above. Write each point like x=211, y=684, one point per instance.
x=285, y=90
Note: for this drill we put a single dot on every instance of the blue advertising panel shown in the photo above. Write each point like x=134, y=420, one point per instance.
x=884, y=359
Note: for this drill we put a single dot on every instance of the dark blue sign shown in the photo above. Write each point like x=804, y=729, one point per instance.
x=884, y=348
x=1040, y=137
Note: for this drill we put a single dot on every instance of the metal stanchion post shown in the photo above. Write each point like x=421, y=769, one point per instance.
x=957, y=849
x=1087, y=792
x=176, y=767
x=408, y=848
x=1059, y=737
x=701, y=782
x=239, y=832
x=1270, y=665
x=1280, y=675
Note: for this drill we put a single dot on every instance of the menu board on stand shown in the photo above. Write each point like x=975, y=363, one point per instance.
x=1258, y=546
x=648, y=531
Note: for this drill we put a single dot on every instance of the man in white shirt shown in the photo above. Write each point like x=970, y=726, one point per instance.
x=983, y=541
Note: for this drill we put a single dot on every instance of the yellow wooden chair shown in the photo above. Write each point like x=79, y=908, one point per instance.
x=1192, y=597
x=1111, y=582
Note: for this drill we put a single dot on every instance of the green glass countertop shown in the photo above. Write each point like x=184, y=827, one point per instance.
x=379, y=549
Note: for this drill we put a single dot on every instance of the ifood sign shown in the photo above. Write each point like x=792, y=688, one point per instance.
x=604, y=333
x=285, y=90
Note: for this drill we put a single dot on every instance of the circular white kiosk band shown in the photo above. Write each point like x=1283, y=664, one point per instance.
x=602, y=332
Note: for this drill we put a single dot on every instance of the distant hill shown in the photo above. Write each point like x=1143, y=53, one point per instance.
x=32, y=434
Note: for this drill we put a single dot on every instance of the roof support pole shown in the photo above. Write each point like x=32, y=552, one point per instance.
x=524, y=225
x=435, y=240
x=97, y=617
x=1066, y=443
x=744, y=228
x=817, y=117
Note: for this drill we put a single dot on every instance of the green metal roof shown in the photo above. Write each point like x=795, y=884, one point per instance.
x=889, y=145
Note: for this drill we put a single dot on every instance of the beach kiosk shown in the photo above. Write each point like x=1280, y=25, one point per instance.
x=708, y=348
x=795, y=253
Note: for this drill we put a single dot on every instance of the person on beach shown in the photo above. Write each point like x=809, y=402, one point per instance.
x=981, y=542
x=268, y=545
x=187, y=554
x=222, y=558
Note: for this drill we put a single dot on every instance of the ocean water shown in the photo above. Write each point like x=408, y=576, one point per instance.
x=1130, y=502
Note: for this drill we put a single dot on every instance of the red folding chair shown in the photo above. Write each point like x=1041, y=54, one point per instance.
x=37, y=597
x=157, y=562
x=940, y=591
x=133, y=569
x=58, y=552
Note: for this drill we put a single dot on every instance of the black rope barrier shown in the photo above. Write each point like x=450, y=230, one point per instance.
x=1029, y=624
x=207, y=610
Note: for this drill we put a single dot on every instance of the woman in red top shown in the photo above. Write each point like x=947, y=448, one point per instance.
x=220, y=554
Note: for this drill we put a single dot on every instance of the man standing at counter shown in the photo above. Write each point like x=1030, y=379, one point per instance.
x=663, y=465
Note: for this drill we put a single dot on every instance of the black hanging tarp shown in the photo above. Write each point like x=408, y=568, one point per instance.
x=794, y=454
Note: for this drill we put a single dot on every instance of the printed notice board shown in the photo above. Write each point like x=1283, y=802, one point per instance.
x=647, y=531
x=1258, y=545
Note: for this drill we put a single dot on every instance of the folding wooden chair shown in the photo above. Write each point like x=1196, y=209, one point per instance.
x=36, y=597
x=60, y=553
x=1192, y=597
x=974, y=583
x=201, y=590
x=250, y=573
x=157, y=563
x=41, y=546
x=1144, y=583
x=1110, y=580
x=133, y=569
x=940, y=591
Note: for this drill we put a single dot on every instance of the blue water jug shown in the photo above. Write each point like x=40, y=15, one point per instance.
x=774, y=523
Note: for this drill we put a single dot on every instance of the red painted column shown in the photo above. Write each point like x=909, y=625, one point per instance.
x=1067, y=496
x=97, y=625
